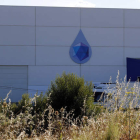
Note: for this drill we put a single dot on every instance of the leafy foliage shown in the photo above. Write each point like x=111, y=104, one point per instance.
x=71, y=91
x=20, y=106
x=26, y=101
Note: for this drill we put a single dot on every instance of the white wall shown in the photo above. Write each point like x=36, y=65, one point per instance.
x=53, y=55
x=102, y=73
x=104, y=56
x=40, y=37
x=17, y=35
x=131, y=18
x=92, y=17
x=104, y=37
x=52, y=36
x=42, y=75
x=56, y=16
x=17, y=55
x=17, y=15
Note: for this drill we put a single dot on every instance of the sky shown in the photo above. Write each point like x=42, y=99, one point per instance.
x=133, y=4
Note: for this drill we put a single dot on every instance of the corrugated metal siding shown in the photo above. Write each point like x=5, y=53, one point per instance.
x=13, y=78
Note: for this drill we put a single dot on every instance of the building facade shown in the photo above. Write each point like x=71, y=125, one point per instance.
x=35, y=45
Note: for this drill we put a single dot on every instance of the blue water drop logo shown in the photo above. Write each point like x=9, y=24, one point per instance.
x=80, y=51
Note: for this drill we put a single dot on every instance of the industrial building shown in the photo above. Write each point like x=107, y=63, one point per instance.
x=37, y=43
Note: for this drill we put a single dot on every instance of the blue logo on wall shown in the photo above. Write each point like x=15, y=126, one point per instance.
x=80, y=50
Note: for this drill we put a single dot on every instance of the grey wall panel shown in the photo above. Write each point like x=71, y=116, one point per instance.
x=16, y=93
x=53, y=56
x=42, y=75
x=17, y=35
x=9, y=81
x=132, y=53
x=132, y=18
x=13, y=75
x=92, y=17
x=16, y=15
x=33, y=89
x=17, y=55
x=13, y=78
x=132, y=37
x=104, y=36
x=106, y=56
x=50, y=16
x=102, y=73
x=58, y=36
x=12, y=69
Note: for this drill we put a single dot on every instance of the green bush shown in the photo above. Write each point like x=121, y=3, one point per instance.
x=41, y=103
x=22, y=104
x=25, y=102
x=71, y=91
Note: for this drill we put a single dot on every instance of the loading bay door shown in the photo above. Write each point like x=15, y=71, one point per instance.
x=13, y=78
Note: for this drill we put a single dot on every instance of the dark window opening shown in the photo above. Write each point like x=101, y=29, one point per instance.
x=99, y=97
x=138, y=78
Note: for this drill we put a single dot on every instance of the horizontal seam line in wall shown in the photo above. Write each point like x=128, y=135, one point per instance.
x=132, y=46
x=18, y=45
x=47, y=46
x=68, y=26
x=104, y=65
x=56, y=46
x=70, y=46
x=12, y=78
x=12, y=73
x=20, y=25
x=88, y=27
x=108, y=27
x=64, y=46
x=16, y=65
x=40, y=26
x=79, y=26
x=38, y=85
x=76, y=65
x=73, y=65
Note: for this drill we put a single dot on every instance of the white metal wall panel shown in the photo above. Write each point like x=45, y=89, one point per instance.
x=132, y=52
x=93, y=17
x=132, y=37
x=13, y=78
x=102, y=73
x=57, y=16
x=42, y=75
x=53, y=55
x=104, y=36
x=106, y=56
x=58, y=36
x=40, y=89
x=17, y=35
x=17, y=55
x=16, y=15
x=131, y=18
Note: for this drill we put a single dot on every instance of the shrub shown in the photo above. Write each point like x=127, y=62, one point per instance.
x=71, y=91
x=26, y=101
x=41, y=103
x=22, y=104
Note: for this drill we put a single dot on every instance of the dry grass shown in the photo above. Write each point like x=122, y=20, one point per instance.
x=118, y=120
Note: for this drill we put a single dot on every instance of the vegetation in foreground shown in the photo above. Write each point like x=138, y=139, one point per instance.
x=37, y=118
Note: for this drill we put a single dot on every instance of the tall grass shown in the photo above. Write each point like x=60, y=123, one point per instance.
x=119, y=118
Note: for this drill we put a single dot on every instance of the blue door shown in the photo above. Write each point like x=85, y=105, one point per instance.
x=133, y=69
